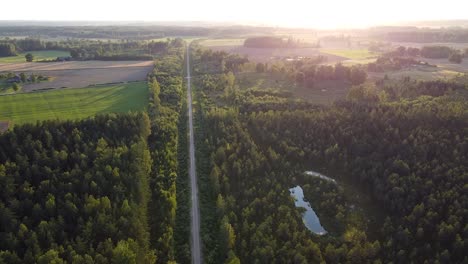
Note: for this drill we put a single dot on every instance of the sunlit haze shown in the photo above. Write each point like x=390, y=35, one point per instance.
x=296, y=13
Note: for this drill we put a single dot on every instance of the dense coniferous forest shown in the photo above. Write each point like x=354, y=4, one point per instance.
x=166, y=99
x=76, y=191
x=100, y=190
x=403, y=144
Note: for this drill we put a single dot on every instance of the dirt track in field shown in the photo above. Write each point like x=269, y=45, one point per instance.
x=77, y=74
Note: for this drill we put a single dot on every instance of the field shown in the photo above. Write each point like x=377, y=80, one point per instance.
x=73, y=103
x=334, y=53
x=265, y=55
x=222, y=42
x=324, y=92
x=38, y=55
x=353, y=54
x=76, y=74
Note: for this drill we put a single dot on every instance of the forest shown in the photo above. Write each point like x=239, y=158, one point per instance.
x=76, y=191
x=401, y=143
x=99, y=190
x=428, y=35
x=87, y=49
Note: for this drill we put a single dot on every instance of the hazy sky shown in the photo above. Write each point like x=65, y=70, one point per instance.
x=309, y=13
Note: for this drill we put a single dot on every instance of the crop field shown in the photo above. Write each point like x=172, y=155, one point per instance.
x=38, y=55
x=76, y=74
x=73, y=103
x=353, y=54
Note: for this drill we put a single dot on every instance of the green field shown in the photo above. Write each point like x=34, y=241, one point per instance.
x=73, y=103
x=38, y=55
x=354, y=54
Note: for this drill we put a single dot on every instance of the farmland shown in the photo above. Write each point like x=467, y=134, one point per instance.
x=222, y=42
x=73, y=103
x=266, y=54
x=354, y=54
x=38, y=56
x=78, y=74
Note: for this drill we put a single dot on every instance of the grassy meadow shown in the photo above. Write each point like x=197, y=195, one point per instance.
x=74, y=103
x=38, y=56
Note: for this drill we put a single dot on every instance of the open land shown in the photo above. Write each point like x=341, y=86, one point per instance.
x=77, y=74
x=266, y=54
x=73, y=103
x=38, y=56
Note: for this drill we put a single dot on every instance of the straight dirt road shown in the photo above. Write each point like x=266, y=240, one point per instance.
x=195, y=213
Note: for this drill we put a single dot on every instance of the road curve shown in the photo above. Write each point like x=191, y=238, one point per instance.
x=195, y=213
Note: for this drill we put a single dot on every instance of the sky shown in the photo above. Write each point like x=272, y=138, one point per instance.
x=291, y=13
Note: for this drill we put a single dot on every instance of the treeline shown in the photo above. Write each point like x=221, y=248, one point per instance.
x=7, y=49
x=308, y=75
x=411, y=89
x=390, y=63
x=124, y=32
x=428, y=36
x=276, y=42
x=76, y=191
x=208, y=61
x=402, y=57
x=166, y=96
x=94, y=50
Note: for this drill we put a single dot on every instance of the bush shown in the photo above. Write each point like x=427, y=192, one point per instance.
x=456, y=58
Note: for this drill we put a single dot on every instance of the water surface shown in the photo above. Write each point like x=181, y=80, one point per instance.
x=310, y=218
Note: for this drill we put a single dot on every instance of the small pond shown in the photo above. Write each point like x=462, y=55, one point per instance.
x=319, y=175
x=310, y=218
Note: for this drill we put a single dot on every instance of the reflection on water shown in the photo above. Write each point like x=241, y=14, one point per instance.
x=318, y=175
x=311, y=220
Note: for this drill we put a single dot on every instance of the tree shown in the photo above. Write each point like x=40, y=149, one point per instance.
x=29, y=57
x=456, y=57
x=260, y=67
x=357, y=76
x=124, y=252
x=50, y=257
x=16, y=87
x=23, y=77
x=7, y=49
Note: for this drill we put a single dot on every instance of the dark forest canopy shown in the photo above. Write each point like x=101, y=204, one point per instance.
x=75, y=191
x=402, y=142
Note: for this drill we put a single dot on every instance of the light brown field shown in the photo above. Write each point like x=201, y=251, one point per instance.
x=77, y=74
x=70, y=65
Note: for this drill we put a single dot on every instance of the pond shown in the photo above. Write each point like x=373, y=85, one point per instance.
x=310, y=218
x=319, y=175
